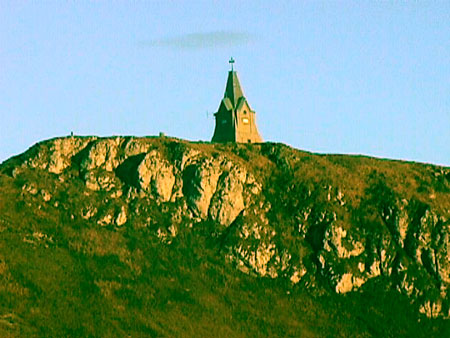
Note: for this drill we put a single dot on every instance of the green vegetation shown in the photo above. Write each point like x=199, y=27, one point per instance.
x=63, y=274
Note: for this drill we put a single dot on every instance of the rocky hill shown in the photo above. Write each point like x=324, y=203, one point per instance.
x=163, y=237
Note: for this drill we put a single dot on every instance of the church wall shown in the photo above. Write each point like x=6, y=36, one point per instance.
x=246, y=130
x=224, y=131
x=235, y=120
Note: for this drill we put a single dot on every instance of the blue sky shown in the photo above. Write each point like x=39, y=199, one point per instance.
x=362, y=77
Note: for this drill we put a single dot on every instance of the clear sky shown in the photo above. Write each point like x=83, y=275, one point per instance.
x=362, y=77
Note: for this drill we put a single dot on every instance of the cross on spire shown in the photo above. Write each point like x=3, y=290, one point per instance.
x=231, y=62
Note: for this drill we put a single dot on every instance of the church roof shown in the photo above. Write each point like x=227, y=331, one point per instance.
x=241, y=102
x=227, y=102
x=233, y=89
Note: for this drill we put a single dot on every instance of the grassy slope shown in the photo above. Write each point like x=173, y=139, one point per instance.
x=87, y=280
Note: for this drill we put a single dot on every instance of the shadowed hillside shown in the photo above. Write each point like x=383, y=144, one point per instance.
x=162, y=237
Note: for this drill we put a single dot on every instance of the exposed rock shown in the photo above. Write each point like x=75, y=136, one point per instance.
x=228, y=201
x=88, y=212
x=116, y=194
x=102, y=154
x=271, y=217
x=257, y=259
x=199, y=185
x=46, y=196
x=135, y=147
x=431, y=309
x=156, y=176
x=106, y=219
x=59, y=155
x=348, y=282
x=38, y=238
x=100, y=180
x=121, y=217
x=252, y=248
x=297, y=275
x=30, y=188
x=166, y=235
x=189, y=155
x=345, y=247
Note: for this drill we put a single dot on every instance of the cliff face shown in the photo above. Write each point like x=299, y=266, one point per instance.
x=327, y=224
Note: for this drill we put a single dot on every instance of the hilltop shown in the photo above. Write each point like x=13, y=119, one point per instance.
x=163, y=237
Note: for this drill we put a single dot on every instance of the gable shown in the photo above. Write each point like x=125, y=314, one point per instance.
x=225, y=105
x=243, y=105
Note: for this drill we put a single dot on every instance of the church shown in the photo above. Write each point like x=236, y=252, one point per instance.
x=235, y=120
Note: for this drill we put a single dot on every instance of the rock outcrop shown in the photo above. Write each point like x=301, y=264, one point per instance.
x=322, y=223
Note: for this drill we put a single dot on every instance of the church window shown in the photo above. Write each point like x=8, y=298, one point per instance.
x=245, y=120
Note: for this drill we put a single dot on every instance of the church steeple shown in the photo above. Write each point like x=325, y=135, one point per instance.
x=235, y=120
x=233, y=88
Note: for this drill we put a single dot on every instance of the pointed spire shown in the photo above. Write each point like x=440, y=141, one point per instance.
x=231, y=62
x=235, y=120
x=233, y=88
